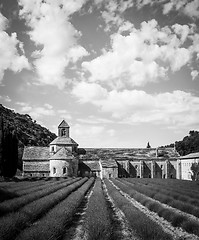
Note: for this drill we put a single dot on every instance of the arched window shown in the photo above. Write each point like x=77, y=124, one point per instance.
x=63, y=132
x=64, y=170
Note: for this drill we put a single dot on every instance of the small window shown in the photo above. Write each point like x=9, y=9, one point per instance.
x=64, y=170
x=54, y=170
x=53, y=149
x=136, y=166
x=161, y=166
x=110, y=175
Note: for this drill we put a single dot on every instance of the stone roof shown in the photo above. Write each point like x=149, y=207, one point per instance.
x=93, y=165
x=89, y=157
x=62, y=154
x=63, y=124
x=109, y=163
x=36, y=153
x=63, y=141
x=191, y=155
x=121, y=154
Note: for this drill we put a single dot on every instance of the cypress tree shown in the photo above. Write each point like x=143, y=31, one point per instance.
x=1, y=144
x=9, y=154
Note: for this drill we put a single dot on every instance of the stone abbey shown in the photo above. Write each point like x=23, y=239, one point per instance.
x=62, y=159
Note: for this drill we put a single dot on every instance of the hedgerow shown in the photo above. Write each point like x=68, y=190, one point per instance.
x=54, y=223
x=16, y=203
x=177, y=219
x=13, y=223
x=144, y=227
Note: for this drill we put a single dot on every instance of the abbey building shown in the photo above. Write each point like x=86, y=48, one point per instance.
x=63, y=159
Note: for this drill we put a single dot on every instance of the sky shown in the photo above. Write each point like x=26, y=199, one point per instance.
x=121, y=73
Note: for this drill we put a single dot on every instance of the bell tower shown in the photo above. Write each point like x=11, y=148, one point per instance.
x=63, y=129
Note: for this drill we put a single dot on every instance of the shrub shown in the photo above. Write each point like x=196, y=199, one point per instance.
x=54, y=223
x=13, y=223
x=149, y=229
x=14, y=204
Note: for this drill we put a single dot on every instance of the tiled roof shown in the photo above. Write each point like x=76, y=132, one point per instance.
x=93, y=165
x=131, y=153
x=62, y=154
x=191, y=155
x=63, y=141
x=63, y=124
x=89, y=157
x=109, y=163
x=36, y=153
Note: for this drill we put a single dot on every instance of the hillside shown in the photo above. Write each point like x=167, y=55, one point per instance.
x=28, y=131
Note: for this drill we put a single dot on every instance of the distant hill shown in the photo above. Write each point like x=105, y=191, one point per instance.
x=28, y=131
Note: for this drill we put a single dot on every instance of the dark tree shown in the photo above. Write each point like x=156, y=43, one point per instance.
x=9, y=156
x=1, y=144
x=195, y=171
x=189, y=144
x=148, y=145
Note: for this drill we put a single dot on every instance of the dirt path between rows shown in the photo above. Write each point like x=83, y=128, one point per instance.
x=80, y=233
x=177, y=233
x=125, y=230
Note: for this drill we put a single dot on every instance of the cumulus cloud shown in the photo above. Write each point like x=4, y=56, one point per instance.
x=10, y=56
x=54, y=35
x=188, y=7
x=36, y=112
x=142, y=56
x=194, y=74
x=89, y=92
x=113, y=12
x=177, y=108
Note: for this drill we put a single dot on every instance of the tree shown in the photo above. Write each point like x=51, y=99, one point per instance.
x=195, y=171
x=189, y=144
x=148, y=145
x=1, y=144
x=8, y=151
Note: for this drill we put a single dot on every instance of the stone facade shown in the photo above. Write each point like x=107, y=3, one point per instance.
x=61, y=159
x=58, y=160
x=184, y=165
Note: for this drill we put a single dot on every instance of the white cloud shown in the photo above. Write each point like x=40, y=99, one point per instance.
x=77, y=53
x=113, y=13
x=194, y=74
x=64, y=114
x=177, y=109
x=53, y=33
x=89, y=92
x=188, y=7
x=144, y=55
x=5, y=98
x=34, y=111
x=10, y=58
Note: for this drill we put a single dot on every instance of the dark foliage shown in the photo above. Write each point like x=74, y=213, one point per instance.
x=9, y=154
x=27, y=130
x=195, y=170
x=189, y=144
